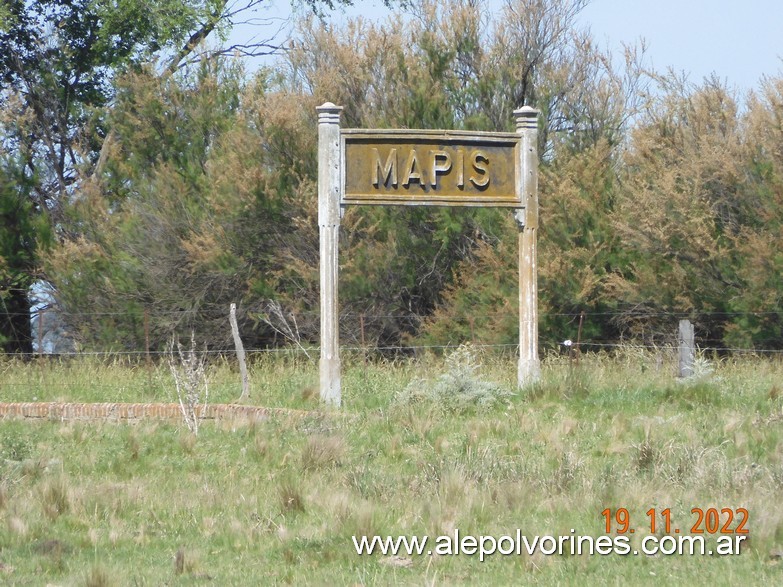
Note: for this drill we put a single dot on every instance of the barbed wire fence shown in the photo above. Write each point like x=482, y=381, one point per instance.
x=359, y=343
x=150, y=373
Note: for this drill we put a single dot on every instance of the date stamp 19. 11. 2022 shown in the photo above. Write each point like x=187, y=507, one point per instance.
x=702, y=521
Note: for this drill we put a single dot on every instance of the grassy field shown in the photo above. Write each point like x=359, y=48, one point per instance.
x=278, y=502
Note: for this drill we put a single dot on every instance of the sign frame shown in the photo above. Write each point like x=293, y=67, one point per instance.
x=332, y=174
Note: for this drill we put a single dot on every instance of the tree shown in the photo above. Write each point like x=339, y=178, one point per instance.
x=756, y=319
x=654, y=204
x=200, y=206
x=58, y=63
x=455, y=67
x=580, y=258
x=18, y=236
x=680, y=209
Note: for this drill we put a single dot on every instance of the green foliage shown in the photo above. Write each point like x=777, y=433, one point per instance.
x=402, y=264
x=756, y=261
x=681, y=223
x=58, y=61
x=580, y=256
x=18, y=246
x=165, y=232
x=174, y=191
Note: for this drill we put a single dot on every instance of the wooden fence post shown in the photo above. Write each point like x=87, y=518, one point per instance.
x=148, y=359
x=240, y=349
x=579, y=337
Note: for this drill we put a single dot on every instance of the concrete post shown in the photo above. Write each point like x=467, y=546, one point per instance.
x=529, y=370
x=686, y=349
x=329, y=229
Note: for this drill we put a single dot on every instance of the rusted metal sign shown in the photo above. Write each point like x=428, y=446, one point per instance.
x=433, y=168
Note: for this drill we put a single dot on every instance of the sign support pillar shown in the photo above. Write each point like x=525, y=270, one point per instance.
x=529, y=369
x=329, y=175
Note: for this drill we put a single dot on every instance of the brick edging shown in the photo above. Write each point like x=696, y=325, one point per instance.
x=63, y=411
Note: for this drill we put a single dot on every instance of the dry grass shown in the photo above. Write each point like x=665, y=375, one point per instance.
x=54, y=497
x=321, y=452
x=278, y=501
x=291, y=498
x=99, y=577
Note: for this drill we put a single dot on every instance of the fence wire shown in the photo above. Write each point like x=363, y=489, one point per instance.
x=312, y=352
x=355, y=342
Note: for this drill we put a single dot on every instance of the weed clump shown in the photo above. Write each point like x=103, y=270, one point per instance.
x=322, y=452
x=459, y=389
x=55, y=498
x=190, y=379
x=98, y=577
x=291, y=498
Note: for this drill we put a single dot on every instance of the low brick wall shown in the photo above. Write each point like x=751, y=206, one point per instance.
x=60, y=411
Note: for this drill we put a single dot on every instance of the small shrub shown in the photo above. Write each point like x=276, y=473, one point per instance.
x=98, y=577
x=291, y=499
x=458, y=389
x=322, y=452
x=646, y=457
x=55, y=498
x=15, y=448
x=703, y=368
x=190, y=380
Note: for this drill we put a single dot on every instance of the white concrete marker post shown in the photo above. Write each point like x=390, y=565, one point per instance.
x=686, y=349
x=329, y=229
x=529, y=369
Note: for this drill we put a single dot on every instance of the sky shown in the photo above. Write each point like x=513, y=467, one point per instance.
x=738, y=41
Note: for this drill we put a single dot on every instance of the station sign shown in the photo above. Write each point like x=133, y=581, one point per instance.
x=430, y=168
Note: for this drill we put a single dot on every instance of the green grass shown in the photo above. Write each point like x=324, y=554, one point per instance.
x=277, y=502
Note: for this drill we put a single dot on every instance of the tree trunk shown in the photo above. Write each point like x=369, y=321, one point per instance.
x=16, y=333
